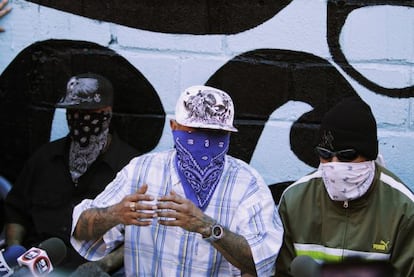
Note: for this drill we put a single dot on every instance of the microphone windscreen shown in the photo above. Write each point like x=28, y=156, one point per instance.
x=22, y=272
x=55, y=249
x=89, y=269
x=304, y=266
x=12, y=253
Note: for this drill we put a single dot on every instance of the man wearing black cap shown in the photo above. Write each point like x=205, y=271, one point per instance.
x=64, y=172
x=351, y=206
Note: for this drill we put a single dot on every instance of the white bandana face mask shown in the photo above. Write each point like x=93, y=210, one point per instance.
x=347, y=181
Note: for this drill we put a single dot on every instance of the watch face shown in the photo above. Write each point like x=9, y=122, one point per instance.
x=217, y=231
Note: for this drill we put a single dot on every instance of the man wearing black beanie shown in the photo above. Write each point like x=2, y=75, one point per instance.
x=351, y=206
x=350, y=124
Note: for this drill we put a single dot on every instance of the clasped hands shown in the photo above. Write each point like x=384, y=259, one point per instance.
x=171, y=210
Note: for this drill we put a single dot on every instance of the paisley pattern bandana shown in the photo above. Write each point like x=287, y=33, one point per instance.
x=347, y=181
x=200, y=162
x=89, y=134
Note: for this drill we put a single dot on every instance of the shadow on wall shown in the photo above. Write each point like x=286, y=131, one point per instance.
x=36, y=79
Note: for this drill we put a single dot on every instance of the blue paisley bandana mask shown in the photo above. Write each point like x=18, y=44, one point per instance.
x=200, y=162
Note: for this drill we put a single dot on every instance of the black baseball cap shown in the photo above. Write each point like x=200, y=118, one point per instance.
x=86, y=92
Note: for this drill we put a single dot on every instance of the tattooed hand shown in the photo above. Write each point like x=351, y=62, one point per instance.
x=133, y=211
x=93, y=223
x=174, y=210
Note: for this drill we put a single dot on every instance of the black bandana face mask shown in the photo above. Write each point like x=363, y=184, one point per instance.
x=84, y=124
x=89, y=134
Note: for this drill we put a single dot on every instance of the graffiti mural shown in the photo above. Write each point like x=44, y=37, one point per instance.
x=277, y=75
x=179, y=17
x=337, y=14
x=261, y=52
x=36, y=80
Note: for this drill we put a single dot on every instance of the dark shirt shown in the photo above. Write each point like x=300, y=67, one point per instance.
x=44, y=195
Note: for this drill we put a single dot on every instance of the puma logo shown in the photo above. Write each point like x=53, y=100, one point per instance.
x=382, y=246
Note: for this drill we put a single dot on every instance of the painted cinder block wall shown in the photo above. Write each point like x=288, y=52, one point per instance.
x=285, y=63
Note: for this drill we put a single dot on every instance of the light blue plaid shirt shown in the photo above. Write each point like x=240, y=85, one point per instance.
x=242, y=202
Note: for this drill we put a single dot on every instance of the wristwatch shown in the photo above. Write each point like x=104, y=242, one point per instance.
x=216, y=233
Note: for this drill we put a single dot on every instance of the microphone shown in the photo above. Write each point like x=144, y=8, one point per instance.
x=305, y=266
x=89, y=269
x=8, y=259
x=39, y=261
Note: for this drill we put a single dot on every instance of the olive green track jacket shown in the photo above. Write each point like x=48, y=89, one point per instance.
x=377, y=226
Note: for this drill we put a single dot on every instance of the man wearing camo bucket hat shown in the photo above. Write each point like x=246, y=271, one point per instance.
x=192, y=210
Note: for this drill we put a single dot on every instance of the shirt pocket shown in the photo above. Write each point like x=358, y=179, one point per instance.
x=205, y=254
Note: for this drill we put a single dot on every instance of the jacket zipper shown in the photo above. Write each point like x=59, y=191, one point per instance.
x=345, y=205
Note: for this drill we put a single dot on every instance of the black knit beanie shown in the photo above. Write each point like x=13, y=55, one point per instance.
x=350, y=124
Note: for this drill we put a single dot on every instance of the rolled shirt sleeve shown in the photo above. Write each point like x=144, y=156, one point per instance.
x=259, y=222
x=113, y=193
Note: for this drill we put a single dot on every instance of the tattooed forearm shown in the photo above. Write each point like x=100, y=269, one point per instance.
x=232, y=246
x=94, y=223
x=237, y=251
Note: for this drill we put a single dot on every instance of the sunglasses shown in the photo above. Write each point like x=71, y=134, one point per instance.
x=345, y=155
